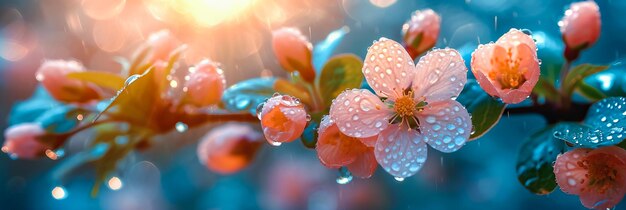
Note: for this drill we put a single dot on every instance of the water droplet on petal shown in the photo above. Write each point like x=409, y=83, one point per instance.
x=181, y=127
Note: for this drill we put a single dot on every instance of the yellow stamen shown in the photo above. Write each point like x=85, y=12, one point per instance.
x=508, y=72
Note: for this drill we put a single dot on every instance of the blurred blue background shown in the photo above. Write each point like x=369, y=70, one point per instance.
x=169, y=176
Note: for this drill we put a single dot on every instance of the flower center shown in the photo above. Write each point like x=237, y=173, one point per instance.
x=405, y=106
x=601, y=176
x=507, y=72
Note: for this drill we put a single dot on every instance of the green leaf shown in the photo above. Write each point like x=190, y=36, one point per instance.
x=577, y=74
x=100, y=78
x=547, y=90
x=138, y=102
x=589, y=92
x=485, y=110
x=309, y=136
x=293, y=89
x=340, y=73
x=534, y=161
x=248, y=94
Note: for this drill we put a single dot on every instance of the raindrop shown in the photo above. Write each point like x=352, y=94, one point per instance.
x=131, y=79
x=259, y=110
x=181, y=127
x=400, y=179
x=345, y=176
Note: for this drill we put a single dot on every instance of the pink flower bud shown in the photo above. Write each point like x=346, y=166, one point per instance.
x=53, y=76
x=421, y=31
x=283, y=119
x=509, y=68
x=229, y=148
x=205, y=85
x=580, y=27
x=293, y=51
x=21, y=141
x=162, y=44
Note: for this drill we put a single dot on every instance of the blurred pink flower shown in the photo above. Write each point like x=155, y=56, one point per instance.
x=229, y=148
x=335, y=150
x=205, y=84
x=421, y=31
x=580, y=27
x=283, y=119
x=293, y=52
x=598, y=176
x=53, y=76
x=509, y=68
x=161, y=44
x=21, y=141
x=413, y=106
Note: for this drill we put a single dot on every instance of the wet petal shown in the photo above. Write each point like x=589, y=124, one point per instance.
x=359, y=113
x=334, y=148
x=530, y=65
x=581, y=24
x=610, y=166
x=364, y=165
x=440, y=75
x=388, y=68
x=400, y=151
x=446, y=125
x=283, y=119
x=516, y=37
x=369, y=141
x=229, y=148
x=571, y=176
x=481, y=67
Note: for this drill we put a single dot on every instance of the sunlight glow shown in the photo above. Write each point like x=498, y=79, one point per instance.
x=207, y=12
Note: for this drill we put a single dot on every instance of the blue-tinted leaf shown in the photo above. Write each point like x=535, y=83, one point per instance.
x=324, y=49
x=604, y=125
x=534, y=161
x=485, y=110
x=30, y=109
x=60, y=119
x=94, y=153
x=248, y=94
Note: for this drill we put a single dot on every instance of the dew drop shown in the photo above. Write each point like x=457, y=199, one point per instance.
x=400, y=179
x=181, y=127
x=131, y=79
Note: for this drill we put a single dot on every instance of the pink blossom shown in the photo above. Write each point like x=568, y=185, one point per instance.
x=336, y=149
x=21, y=141
x=283, y=119
x=413, y=106
x=421, y=31
x=293, y=52
x=229, y=148
x=509, y=68
x=580, y=26
x=205, y=85
x=53, y=75
x=597, y=176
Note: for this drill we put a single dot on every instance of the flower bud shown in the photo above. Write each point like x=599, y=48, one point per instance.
x=421, y=31
x=162, y=44
x=53, y=76
x=205, y=84
x=21, y=141
x=283, y=119
x=229, y=148
x=580, y=27
x=293, y=52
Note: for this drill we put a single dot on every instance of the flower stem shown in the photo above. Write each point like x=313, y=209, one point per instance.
x=565, y=101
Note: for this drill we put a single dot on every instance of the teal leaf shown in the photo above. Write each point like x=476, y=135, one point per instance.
x=324, y=49
x=30, y=109
x=604, y=125
x=485, y=110
x=248, y=94
x=534, y=162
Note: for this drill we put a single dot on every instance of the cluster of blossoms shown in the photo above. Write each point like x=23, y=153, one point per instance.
x=389, y=121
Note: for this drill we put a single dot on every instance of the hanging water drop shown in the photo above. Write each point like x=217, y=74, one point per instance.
x=400, y=179
x=344, y=177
